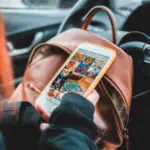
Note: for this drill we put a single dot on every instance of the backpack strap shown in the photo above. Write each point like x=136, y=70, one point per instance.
x=109, y=13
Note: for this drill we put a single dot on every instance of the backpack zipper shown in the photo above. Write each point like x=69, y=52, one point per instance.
x=36, y=48
x=121, y=94
x=34, y=88
x=100, y=137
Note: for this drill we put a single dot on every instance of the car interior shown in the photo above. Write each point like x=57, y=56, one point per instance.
x=29, y=26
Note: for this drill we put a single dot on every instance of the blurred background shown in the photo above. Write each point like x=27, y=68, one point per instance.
x=54, y=3
x=38, y=3
x=30, y=22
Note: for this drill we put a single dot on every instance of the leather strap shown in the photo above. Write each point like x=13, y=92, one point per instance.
x=109, y=13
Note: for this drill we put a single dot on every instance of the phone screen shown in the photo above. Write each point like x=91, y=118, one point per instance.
x=77, y=75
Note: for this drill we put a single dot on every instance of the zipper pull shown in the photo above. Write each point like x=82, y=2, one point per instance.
x=126, y=134
x=101, y=135
x=34, y=88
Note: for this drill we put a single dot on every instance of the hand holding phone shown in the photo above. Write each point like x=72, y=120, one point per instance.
x=93, y=98
x=81, y=72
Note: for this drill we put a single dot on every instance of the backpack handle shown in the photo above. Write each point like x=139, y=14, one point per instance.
x=109, y=13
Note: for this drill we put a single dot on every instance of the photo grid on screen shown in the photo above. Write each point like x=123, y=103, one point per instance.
x=78, y=74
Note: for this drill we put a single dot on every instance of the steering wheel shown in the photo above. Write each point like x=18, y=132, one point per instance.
x=133, y=46
x=74, y=18
x=137, y=21
x=137, y=45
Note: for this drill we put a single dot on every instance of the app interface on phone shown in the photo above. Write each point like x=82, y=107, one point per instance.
x=77, y=75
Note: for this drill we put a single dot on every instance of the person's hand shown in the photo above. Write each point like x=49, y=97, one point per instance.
x=45, y=115
x=93, y=98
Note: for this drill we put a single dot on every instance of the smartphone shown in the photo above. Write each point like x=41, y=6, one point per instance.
x=80, y=73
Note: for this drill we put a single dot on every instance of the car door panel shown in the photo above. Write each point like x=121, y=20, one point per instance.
x=23, y=20
x=25, y=28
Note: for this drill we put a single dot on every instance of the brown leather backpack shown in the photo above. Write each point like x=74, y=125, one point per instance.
x=115, y=89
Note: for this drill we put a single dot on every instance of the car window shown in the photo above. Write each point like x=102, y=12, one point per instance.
x=37, y=3
x=119, y=3
x=11, y=4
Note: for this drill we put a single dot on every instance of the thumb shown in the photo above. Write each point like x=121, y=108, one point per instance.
x=43, y=126
x=45, y=115
x=93, y=97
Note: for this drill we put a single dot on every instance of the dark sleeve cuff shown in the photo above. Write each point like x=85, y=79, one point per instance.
x=28, y=115
x=76, y=112
x=20, y=113
x=19, y=124
x=55, y=137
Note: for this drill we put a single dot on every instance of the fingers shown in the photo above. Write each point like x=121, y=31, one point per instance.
x=93, y=97
x=45, y=115
x=43, y=126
